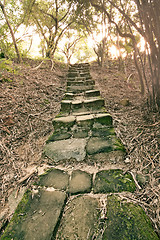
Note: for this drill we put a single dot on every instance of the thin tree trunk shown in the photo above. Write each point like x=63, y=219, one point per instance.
x=11, y=31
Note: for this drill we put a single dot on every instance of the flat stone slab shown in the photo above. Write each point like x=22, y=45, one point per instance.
x=81, y=182
x=36, y=216
x=103, y=132
x=80, y=219
x=127, y=221
x=79, y=89
x=69, y=96
x=58, y=136
x=94, y=103
x=76, y=83
x=92, y=93
x=101, y=144
x=55, y=178
x=72, y=74
x=103, y=118
x=66, y=149
x=85, y=120
x=63, y=122
x=81, y=133
x=113, y=181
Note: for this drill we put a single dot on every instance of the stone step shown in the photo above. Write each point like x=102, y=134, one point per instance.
x=92, y=93
x=81, y=83
x=94, y=103
x=84, y=74
x=69, y=96
x=62, y=205
x=103, y=119
x=79, y=89
x=91, y=104
x=73, y=203
x=73, y=74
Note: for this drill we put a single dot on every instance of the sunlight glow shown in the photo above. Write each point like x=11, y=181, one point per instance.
x=114, y=52
x=142, y=45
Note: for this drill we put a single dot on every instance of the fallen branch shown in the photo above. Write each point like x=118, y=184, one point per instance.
x=38, y=66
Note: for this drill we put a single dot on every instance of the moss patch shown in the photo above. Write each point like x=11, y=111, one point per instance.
x=113, y=181
x=14, y=227
x=126, y=221
x=36, y=217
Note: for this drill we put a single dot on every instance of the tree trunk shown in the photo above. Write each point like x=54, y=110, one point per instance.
x=11, y=31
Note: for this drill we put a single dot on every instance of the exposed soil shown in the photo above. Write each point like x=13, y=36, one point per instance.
x=30, y=102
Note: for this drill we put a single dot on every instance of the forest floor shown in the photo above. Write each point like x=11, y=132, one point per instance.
x=31, y=98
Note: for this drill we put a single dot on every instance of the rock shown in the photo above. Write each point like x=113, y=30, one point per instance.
x=77, y=104
x=89, y=82
x=55, y=178
x=92, y=93
x=63, y=122
x=103, y=118
x=66, y=149
x=75, y=83
x=79, y=89
x=36, y=216
x=113, y=180
x=94, y=103
x=81, y=133
x=97, y=145
x=85, y=120
x=69, y=96
x=72, y=74
x=80, y=220
x=125, y=102
x=103, y=132
x=127, y=221
x=81, y=182
x=66, y=105
x=58, y=136
x=103, y=144
x=107, y=158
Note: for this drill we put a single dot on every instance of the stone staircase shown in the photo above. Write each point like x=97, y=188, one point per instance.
x=85, y=193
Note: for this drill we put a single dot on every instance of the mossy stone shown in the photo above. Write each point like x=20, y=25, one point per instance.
x=58, y=136
x=14, y=227
x=102, y=132
x=80, y=134
x=104, y=144
x=104, y=119
x=66, y=105
x=127, y=221
x=113, y=180
x=63, y=122
x=54, y=178
x=36, y=216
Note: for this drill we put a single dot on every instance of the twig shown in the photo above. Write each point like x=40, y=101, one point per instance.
x=38, y=66
x=135, y=138
x=152, y=125
x=139, y=187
